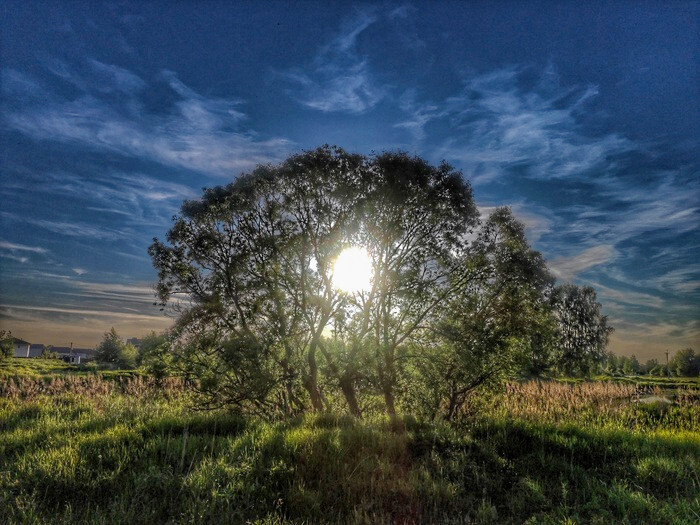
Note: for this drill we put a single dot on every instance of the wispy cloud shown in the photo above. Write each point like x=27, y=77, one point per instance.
x=419, y=114
x=623, y=209
x=72, y=307
x=21, y=247
x=20, y=252
x=629, y=298
x=197, y=132
x=338, y=79
x=136, y=199
x=680, y=281
x=626, y=215
x=137, y=293
x=13, y=257
x=114, y=78
x=499, y=123
x=71, y=229
x=566, y=268
x=537, y=222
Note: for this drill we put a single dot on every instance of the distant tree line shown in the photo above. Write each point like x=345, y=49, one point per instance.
x=684, y=363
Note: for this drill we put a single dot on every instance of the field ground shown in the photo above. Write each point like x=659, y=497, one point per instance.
x=537, y=452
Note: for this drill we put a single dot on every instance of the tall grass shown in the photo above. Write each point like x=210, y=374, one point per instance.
x=542, y=452
x=92, y=386
x=594, y=405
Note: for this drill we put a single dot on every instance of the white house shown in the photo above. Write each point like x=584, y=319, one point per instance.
x=21, y=347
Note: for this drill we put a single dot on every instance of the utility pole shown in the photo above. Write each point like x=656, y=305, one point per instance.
x=668, y=372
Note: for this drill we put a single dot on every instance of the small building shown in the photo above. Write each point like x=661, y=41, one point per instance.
x=21, y=347
x=36, y=349
x=75, y=355
x=134, y=341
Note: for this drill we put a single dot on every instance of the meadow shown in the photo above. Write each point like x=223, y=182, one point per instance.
x=84, y=447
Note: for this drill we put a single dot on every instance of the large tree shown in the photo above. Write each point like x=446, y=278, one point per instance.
x=249, y=270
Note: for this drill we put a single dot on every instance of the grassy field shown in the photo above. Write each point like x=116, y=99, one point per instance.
x=83, y=449
x=52, y=368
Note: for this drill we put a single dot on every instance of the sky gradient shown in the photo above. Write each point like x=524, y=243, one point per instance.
x=584, y=119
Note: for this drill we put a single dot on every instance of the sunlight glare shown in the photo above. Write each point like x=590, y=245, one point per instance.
x=352, y=271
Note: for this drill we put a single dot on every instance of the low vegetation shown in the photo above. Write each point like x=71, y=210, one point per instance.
x=94, y=450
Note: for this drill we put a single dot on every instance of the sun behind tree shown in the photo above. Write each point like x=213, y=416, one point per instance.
x=352, y=271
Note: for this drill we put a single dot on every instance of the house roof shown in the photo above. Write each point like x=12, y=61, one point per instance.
x=18, y=341
x=67, y=350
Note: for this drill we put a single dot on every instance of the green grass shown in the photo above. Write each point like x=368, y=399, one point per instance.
x=16, y=367
x=536, y=453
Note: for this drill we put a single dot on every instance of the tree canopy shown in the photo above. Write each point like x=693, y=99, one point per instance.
x=453, y=302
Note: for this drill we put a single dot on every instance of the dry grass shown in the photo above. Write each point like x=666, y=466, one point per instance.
x=30, y=388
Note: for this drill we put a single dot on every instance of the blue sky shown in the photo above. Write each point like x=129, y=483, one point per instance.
x=584, y=119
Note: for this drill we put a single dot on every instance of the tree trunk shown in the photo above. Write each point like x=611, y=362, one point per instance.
x=389, y=400
x=293, y=403
x=388, y=381
x=451, y=408
x=348, y=388
x=311, y=380
x=346, y=382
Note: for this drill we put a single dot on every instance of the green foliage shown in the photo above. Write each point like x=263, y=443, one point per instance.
x=128, y=356
x=497, y=324
x=16, y=366
x=6, y=344
x=154, y=354
x=583, y=331
x=685, y=363
x=114, y=351
x=109, y=350
x=631, y=366
x=51, y=369
x=48, y=353
x=650, y=365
